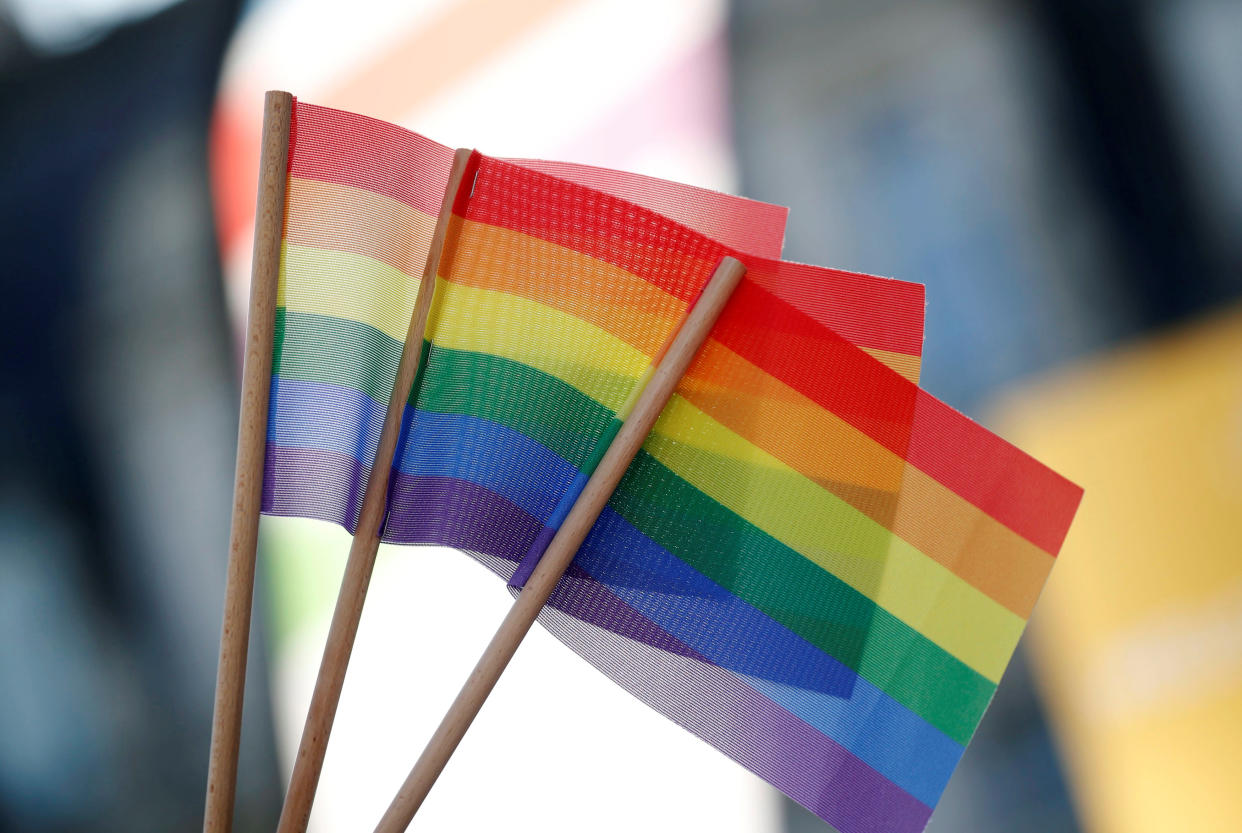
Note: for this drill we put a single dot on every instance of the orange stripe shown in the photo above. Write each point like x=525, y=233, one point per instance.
x=325, y=215
x=821, y=446
x=618, y=302
x=343, y=218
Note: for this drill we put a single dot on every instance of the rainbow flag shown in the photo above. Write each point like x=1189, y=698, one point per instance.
x=361, y=205
x=847, y=566
x=812, y=564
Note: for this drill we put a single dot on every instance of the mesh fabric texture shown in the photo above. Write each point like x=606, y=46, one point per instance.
x=812, y=564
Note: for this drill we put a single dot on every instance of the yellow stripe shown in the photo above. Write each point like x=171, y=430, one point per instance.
x=346, y=285
x=856, y=468
x=905, y=364
x=590, y=359
x=627, y=407
x=358, y=288
x=629, y=307
x=797, y=511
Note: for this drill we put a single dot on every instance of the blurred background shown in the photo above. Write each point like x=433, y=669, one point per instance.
x=1064, y=175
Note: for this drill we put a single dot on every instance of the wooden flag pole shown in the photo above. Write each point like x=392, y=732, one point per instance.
x=295, y=815
x=269, y=220
x=564, y=546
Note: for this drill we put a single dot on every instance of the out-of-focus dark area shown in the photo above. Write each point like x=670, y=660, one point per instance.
x=1065, y=176
x=1061, y=174
x=118, y=427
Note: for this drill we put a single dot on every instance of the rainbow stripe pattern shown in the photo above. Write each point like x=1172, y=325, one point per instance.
x=812, y=564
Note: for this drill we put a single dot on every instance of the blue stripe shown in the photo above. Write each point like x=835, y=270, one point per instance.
x=567, y=502
x=484, y=452
x=733, y=634
x=324, y=417
x=720, y=626
x=692, y=608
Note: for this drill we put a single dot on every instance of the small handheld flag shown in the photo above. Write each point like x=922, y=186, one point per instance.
x=801, y=557
x=360, y=224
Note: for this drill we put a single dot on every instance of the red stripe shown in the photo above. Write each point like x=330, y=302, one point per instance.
x=670, y=255
x=1017, y=490
x=779, y=330
x=747, y=225
x=349, y=149
x=465, y=190
x=873, y=312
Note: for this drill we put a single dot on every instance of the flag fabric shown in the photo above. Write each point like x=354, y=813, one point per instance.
x=361, y=205
x=834, y=573
x=812, y=564
x=360, y=209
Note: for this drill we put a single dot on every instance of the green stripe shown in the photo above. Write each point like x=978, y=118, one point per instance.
x=518, y=396
x=601, y=446
x=808, y=600
x=335, y=351
x=722, y=545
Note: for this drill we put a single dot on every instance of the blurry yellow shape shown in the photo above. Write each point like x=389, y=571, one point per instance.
x=1138, y=637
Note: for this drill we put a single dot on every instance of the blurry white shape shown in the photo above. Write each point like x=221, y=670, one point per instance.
x=536, y=97
x=308, y=46
x=236, y=269
x=594, y=758
x=686, y=160
x=65, y=25
x=1168, y=660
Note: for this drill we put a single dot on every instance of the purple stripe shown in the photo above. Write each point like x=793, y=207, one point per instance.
x=310, y=483
x=596, y=603
x=718, y=704
x=531, y=559
x=457, y=513
x=328, y=486
x=761, y=735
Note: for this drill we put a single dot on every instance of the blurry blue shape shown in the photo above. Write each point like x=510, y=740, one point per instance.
x=117, y=423
x=56, y=721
